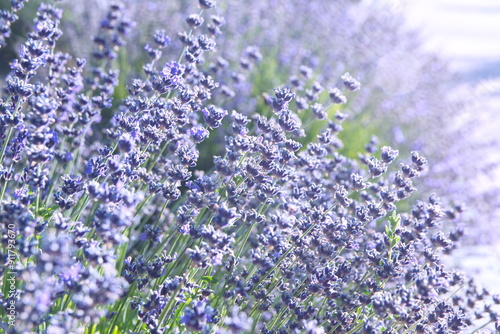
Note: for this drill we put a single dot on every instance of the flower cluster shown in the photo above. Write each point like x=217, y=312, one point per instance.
x=120, y=228
x=406, y=98
x=7, y=18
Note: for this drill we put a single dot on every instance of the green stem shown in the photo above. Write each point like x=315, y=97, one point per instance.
x=169, y=307
x=5, y=143
x=244, y=240
x=4, y=187
x=282, y=257
x=122, y=305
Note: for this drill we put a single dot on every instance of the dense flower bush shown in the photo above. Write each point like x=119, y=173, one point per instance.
x=406, y=99
x=111, y=226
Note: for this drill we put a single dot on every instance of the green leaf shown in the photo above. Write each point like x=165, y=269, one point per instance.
x=394, y=220
x=46, y=213
x=209, y=279
x=388, y=230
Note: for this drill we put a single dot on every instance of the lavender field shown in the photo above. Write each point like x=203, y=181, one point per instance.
x=201, y=166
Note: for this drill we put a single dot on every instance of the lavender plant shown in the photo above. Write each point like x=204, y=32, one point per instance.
x=406, y=100
x=113, y=227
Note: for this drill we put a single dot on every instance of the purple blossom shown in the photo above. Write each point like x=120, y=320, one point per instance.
x=336, y=96
x=173, y=69
x=199, y=133
x=213, y=116
x=351, y=83
x=71, y=275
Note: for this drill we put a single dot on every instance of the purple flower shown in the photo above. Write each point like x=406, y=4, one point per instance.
x=207, y=4
x=161, y=39
x=217, y=259
x=199, y=133
x=312, y=327
x=95, y=167
x=351, y=83
x=71, y=275
x=388, y=155
x=187, y=156
x=336, y=96
x=193, y=186
x=126, y=143
x=213, y=116
x=172, y=68
x=194, y=20
x=197, y=315
x=68, y=156
x=238, y=321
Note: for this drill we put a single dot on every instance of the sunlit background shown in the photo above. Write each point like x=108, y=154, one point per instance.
x=466, y=33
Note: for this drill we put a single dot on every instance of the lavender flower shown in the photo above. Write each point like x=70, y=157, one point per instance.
x=336, y=96
x=213, y=116
x=351, y=83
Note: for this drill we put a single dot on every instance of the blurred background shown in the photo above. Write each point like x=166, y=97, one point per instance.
x=466, y=33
